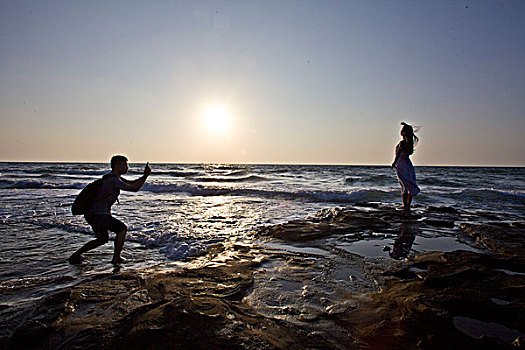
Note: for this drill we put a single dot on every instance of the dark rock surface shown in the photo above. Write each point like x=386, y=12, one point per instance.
x=506, y=240
x=421, y=302
x=301, y=285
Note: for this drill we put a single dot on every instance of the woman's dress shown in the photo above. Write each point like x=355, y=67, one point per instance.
x=406, y=173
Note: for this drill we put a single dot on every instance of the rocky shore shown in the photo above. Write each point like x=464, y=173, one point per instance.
x=353, y=278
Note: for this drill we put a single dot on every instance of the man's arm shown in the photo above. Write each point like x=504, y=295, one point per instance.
x=136, y=185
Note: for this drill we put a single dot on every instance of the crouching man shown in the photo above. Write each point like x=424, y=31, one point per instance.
x=98, y=216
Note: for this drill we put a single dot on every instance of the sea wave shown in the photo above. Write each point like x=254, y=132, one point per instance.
x=243, y=172
x=39, y=170
x=438, y=181
x=176, y=173
x=352, y=179
x=364, y=195
x=228, y=167
x=221, y=167
x=381, y=178
x=251, y=178
x=28, y=184
x=185, y=188
x=87, y=172
x=491, y=195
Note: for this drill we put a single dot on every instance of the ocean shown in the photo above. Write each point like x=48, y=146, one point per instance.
x=185, y=208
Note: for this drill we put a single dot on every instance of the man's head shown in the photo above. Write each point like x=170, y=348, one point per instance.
x=119, y=164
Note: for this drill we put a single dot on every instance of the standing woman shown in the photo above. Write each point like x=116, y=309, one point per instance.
x=404, y=168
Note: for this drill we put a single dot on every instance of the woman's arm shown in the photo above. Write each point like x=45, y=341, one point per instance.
x=398, y=152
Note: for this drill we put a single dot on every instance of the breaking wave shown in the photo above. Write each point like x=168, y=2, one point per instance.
x=177, y=173
x=365, y=195
x=375, y=179
x=485, y=195
x=251, y=178
x=87, y=172
x=438, y=181
x=28, y=184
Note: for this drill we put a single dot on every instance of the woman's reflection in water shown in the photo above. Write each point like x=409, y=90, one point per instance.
x=403, y=243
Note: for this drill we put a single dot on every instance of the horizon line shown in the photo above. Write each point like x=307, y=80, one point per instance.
x=277, y=163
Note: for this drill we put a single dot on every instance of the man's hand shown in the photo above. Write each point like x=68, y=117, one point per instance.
x=147, y=170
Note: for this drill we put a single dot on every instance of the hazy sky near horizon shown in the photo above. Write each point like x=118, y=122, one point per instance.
x=262, y=81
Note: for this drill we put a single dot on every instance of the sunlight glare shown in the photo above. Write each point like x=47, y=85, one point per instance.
x=216, y=119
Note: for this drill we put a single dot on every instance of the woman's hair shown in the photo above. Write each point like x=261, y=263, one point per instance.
x=408, y=131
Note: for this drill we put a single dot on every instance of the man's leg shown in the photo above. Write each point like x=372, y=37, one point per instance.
x=119, y=243
x=75, y=257
x=99, y=224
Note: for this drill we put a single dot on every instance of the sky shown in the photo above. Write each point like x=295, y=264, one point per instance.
x=308, y=82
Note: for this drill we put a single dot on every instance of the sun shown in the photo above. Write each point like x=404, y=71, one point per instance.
x=216, y=119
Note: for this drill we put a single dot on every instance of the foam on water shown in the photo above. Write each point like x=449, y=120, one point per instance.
x=29, y=184
x=313, y=195
x=515, y=197
x=185, y=208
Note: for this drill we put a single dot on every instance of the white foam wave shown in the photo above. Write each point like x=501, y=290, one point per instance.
x=238, y=173
x=251, y=178
x=28, y=184
x=438, y=181
x=180, y=250
x=493, y=195
x=177, y=173
x=169, y=243
x=379, y=179
x=87, y=172
x=193, y=190
x=313, y=195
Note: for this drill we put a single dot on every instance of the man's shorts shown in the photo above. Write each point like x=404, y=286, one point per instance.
x=101, y=224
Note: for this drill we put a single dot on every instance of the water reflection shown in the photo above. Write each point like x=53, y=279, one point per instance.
x=403, y=243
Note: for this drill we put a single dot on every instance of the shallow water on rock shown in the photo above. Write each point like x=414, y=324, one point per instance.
x=185, y=209
x=302, y=283
x=477, y=329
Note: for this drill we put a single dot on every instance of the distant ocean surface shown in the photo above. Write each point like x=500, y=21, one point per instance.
x=185, y=208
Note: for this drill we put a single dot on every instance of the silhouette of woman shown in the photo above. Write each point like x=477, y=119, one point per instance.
x=404, y=168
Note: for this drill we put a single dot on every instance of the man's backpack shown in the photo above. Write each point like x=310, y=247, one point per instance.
x=88, y=197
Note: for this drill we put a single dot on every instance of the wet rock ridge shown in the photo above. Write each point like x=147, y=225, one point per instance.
x=196, y=307
x=468, y=299
x=305, y=284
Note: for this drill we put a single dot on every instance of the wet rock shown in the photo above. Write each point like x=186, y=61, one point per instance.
x=447, y=210
x=519, y=342
x=327, y=214
x=420, y=312
x=368, y=204
x=299, y=232
x=197, y=307
x=499, y=223
x=336, y=222
x=517, y=225
x=503, y=240
x=439, y=223
x=301, y=286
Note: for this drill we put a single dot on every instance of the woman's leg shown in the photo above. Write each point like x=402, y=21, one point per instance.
x=406, y=201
